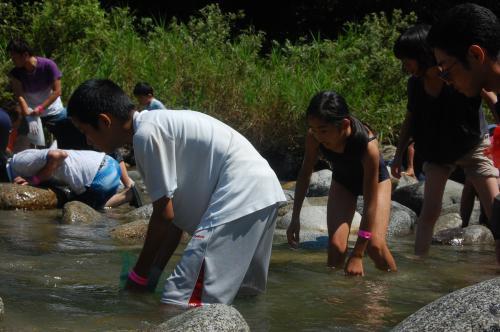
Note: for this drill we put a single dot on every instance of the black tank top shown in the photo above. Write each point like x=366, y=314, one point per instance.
x=347, y=168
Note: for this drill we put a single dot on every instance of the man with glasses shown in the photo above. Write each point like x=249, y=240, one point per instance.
x=466, y=44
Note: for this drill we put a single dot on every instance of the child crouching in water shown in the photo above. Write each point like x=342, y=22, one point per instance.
x=358, y=169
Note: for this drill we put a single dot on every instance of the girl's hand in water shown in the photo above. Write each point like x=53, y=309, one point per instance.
x=293, y=233
x=354, y=266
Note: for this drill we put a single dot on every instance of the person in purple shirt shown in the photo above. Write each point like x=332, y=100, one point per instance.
x=38, y=81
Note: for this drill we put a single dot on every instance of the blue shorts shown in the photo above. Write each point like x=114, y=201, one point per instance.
x=104, y=185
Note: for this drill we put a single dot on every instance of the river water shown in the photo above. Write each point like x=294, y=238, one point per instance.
x=67, y=278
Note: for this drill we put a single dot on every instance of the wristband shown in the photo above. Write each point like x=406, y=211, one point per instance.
x=364, y=234
x=35, y=180
x=39, y=109
x=137, y=278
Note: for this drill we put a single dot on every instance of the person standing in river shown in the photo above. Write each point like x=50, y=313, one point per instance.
x=204, y=178
x=357, y=169
x=449, y=130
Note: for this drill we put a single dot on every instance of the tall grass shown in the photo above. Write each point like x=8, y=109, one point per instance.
x=207, y=65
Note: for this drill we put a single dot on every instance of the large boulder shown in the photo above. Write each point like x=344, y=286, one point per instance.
x=207, y=318
x=134, y=232
x=474, y=308
x=412, y=195
x=320, y=183
x=403, y=181
x=313, y=224
x=14, y=196
x=81, y=213
x=401, y=222
x=471, y=235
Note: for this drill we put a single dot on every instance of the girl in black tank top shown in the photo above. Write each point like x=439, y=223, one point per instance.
x=357, y=169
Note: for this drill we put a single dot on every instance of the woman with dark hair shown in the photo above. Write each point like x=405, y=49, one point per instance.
x=358, y=169
x=448, y=128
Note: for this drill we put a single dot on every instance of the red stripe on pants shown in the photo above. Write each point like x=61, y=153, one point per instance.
x=195, y=300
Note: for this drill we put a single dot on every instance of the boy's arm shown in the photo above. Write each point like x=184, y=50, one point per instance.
x=162, y=238
x=56, y=93
x=370, y=163
x=491, y=99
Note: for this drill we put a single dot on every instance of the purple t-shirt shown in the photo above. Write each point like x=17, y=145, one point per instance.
x=37, y=85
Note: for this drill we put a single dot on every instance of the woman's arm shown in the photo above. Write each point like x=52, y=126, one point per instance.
x=310, y=159
x=370, y=161
x=404, y=140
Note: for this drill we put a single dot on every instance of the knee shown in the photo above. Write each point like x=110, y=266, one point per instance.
x=337, y=244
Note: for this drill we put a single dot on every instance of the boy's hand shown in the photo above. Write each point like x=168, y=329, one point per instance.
x=293, y=233
x=354, y=266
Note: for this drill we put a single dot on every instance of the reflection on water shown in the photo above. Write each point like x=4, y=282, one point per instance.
x=67, y=278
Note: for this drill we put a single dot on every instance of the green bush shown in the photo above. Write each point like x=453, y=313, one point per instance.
x=207, y=65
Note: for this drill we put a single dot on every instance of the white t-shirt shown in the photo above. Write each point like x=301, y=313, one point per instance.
x=77, y=171
x=210, y=171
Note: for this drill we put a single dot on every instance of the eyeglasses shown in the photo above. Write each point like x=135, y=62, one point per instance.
x=444, y=74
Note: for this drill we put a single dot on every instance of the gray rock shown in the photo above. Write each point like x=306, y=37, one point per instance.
x=402, y=219
x=81, y=213
x=144, y=212
x=133, y=232
x=320, y=183
x=471, y=235
x=312, y=218
x=208, y=318
x=2, y=309
x=447, y=221
x=412, y=195
x=452, y=208
x=13, y=196
x=474, y=308
x=478, y=234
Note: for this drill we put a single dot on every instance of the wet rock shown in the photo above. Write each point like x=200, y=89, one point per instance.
x=78, y=212
x=134, y=232
x=447, y=221
x=474, y=308
x=471, y=235
x=208, y=318
x=144, y=212
x=402, y=219
x=320, y=183
x=13, y=196
x=412, y=195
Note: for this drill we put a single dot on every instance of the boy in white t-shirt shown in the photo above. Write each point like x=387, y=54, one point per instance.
x=91, y=176
x=204, y=178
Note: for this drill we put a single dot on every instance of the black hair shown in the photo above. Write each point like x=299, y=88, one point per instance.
x=465, y=25
x=412, y=44
x=97, y=96
x=19, y=46
x=143, y=89
x=328, y=106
